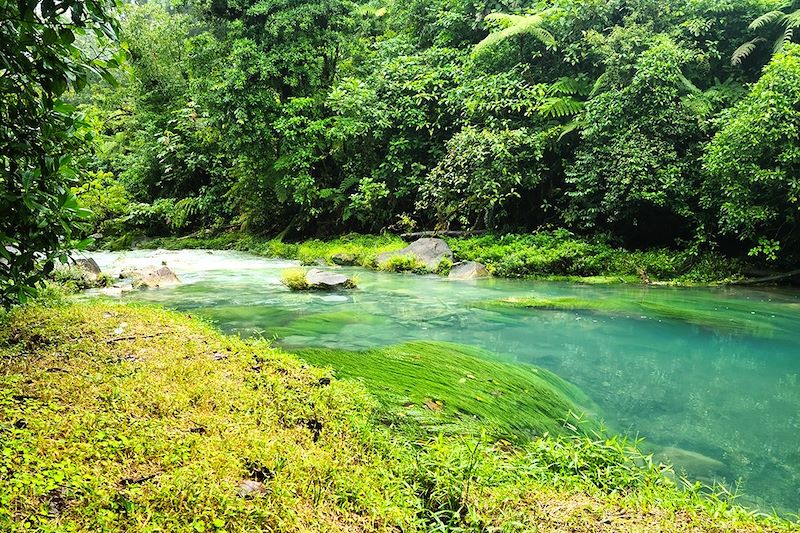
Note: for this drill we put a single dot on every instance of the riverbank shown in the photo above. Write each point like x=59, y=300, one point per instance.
x=548, y=255
x=128, y=417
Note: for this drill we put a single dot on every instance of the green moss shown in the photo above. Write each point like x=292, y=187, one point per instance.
x=125, y=418
x=454, y=387
x=404, y=263
x=295, y=279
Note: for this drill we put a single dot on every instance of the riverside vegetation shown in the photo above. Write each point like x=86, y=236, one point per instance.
x=627, y=140
x=642, y=125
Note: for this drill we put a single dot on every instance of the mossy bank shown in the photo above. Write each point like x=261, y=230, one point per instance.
x=130, y=418
x=556, y=255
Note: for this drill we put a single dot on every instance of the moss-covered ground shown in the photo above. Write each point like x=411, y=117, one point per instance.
x=124, y=418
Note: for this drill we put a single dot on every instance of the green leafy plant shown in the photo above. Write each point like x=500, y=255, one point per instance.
x=39, y=132
x=781, y=22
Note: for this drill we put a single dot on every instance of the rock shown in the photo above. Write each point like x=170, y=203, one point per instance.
x=249, y=488
x=89, y=265
x=151, y=277
x=429, y=251
x=325, y=280
x=344, y=259
x=698, y=464
x=468, y=270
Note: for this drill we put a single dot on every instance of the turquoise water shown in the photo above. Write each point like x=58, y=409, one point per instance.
x=708, y=376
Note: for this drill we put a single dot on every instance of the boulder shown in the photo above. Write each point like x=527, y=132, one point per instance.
x=326, y=280
x=89, y=265
x=429, y=251
x=151, y=277
x=344, y=259
x=468, y=270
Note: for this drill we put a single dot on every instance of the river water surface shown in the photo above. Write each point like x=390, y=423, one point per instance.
x=718, y=396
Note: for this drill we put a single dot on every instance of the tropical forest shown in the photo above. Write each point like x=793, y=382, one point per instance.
x=399, y=265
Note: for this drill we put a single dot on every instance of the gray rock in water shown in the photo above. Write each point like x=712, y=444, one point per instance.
x=468, y=270
x=89, y=265
x=325, y=280
x=344, y=259
x=151, y=277
x=429, y=251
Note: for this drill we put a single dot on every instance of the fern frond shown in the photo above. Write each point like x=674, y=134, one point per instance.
x=766, y=19
x=567, y=86
x=559, y=107
x=744, y=51
x=571, y=126
x=780, y=42
x=513, y=25
x=691, y=87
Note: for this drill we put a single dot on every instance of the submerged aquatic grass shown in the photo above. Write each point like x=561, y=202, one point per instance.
x=637, y=308
x=446, y=386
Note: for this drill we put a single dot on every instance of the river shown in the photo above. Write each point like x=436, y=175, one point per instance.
x=708, y=376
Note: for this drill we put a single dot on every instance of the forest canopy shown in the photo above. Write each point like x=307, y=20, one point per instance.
x=647, y=122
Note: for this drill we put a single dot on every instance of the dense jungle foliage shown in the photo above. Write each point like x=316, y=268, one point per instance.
x=645, y=123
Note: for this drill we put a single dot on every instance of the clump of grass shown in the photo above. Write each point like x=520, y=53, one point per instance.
x=444, y=267
x=404, y=263
x=295, y=279
x=157, y=426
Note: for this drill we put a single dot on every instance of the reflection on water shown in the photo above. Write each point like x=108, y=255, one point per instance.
x=721, y=402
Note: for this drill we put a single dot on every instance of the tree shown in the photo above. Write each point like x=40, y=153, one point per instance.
x=40, y=59
x=635, y=164
x=753, y=162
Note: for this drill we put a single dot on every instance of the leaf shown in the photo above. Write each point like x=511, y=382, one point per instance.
x=766, y=19
x=516, y=25
x=744, y=51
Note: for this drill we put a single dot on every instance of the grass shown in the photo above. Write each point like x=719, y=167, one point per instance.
x=546, y=254
x=707, y=318
x=125, y=418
